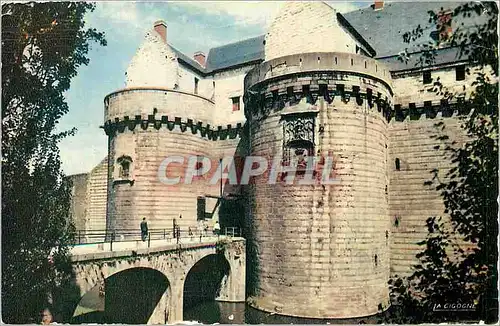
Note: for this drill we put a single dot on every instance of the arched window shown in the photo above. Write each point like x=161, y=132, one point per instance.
x=398, y=164
x=125, y=169
x=125, y=163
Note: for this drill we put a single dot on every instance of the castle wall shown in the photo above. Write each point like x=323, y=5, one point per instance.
x=154, y=64
x=142, y=101
x=409, y=86
x=148, y=196
x=323, y=250
x=79, y=200
x=412, y=202
x=229, y=84
x=303, y=27
x=97, y=197
x=187, y=83
x=147, y=144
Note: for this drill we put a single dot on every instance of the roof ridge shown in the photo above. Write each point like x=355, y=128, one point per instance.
x=240, y=41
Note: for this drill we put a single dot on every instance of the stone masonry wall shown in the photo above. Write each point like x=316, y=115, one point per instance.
x=229, y=84
x=187, y=82
x=410, y=201
x=155, y=64
x=147, y=196
x=79, y=200
x=97, y=197
x=143, y=194
x=409, y=86
x=323, y=250
x=143, y=102
x=302, y=27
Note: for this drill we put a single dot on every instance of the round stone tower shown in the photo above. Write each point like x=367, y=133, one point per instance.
x=321, y=250
x=156, y=117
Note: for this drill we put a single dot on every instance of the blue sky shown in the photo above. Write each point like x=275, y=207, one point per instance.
x=192, y=26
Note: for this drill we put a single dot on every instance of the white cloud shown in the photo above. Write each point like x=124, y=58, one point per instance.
x=123, y=17
x=253, y=12
x=245, y=13
x=118, y=12
x=344, y=7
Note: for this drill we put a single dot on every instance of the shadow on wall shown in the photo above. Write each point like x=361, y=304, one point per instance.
x=235, y=211
x=91, y=306
x=127, y=297
x=65, y=299
x=132, y=295
x=204, y=280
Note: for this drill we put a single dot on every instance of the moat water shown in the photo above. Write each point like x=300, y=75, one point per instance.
x=211, y=312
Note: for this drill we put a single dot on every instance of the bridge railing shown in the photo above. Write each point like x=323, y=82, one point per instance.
x=171, y=234
x=232, y=231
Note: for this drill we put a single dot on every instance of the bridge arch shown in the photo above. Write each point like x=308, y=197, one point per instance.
x=173, y=264
x=205, y=279
x=90, y=307
x=130, y=296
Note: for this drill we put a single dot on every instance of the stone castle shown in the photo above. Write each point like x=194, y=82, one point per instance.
x=317, y=83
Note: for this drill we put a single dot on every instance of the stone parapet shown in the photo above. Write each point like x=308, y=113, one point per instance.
x=317, y=62
x=147, y=101
x=230, y=131
x=271, y=88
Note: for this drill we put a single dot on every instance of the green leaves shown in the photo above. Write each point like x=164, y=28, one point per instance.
x=43, y=46
x=469, y=191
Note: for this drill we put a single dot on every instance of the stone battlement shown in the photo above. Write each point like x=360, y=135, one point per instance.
x=144, y=101
x=319, y=61
x=196, y=127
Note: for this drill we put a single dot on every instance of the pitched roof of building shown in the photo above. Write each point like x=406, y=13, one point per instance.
x=234, y=54
x=382, y=29
x=252, y=49
x=445, y=56
x=188, y=61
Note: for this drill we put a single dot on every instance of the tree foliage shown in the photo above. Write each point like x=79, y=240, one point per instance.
x=43, y=44
x=448, y=272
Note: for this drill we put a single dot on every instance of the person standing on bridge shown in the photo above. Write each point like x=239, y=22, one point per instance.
x=144, y=229
x=217, y=228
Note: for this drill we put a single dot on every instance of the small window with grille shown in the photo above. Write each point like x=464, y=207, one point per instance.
x=298, y=139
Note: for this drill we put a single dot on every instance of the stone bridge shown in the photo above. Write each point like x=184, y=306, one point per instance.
x=140, y=284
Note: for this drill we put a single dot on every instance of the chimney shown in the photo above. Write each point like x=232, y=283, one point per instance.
x=161, y=28
x=378, y=5
x=200, y=58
